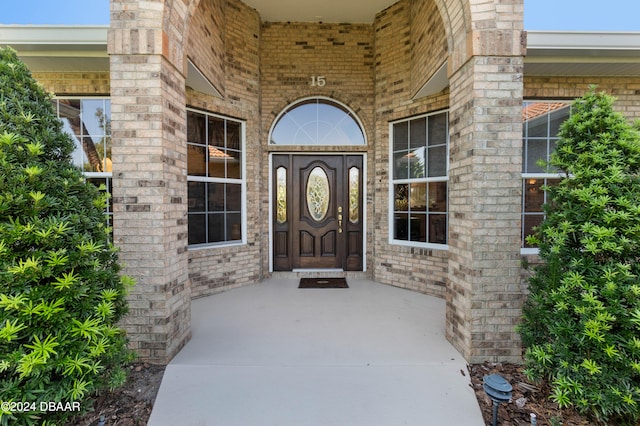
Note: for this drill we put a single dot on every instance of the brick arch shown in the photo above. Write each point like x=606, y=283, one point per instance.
x=456, y=16
x=469, y=24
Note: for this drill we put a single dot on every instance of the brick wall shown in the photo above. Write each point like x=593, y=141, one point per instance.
x=74, y=83
x=149, y=179
x=206, y=40
x=428, y=42
x=422, y=270
x=219, y=268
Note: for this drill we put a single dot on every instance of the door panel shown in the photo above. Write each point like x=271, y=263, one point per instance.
x=316, y=223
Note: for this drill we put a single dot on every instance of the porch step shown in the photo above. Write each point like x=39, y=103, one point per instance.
x=317, y=273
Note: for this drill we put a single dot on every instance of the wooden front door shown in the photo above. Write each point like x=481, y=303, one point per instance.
x=317, y=218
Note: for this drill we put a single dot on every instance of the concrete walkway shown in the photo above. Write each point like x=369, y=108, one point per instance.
x=273, y=354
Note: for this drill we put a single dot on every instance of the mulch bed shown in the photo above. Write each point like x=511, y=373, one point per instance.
x=129, y=405
x=526, y=398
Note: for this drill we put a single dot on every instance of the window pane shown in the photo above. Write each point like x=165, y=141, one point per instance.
x=438, y=228
x=234, y=163
x=196, y=160
x=557, y=118
x=69, y=110
x=233, y=135
x=538, y=127
x=196, y=196
x=197, y=229
x=217, y=161
x=354, y=195
x=234, y=197
x=401, y=198
x=400, y=136
x=216, y=132
x=234, y=227
x=438, y=197
x=418, y=227
x=93, y=119
x=196, y=128
x=418, y=197
x=536, y=150
x=533, y=195
x=281, y=194
x=216, y=228
x=528, y=223
x=438, y=129
x=93, y=159
x=437, y=161
x=401, y=161
x=418, y=133
x=317, y=122
x=401, y=226
x=416, y=163
x=216, y=197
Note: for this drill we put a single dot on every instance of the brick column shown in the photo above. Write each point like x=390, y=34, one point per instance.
x=150, y=181
x=484, y=294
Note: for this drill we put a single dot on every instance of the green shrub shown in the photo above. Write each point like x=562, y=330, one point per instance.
x=581, y=322
x=60, y=292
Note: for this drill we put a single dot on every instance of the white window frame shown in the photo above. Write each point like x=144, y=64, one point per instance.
x=427, y=180
x=242, y=182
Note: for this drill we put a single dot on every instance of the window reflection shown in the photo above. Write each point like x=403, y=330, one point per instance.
x=88, y=122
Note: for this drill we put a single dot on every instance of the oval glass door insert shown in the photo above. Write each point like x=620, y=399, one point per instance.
x=318, y=194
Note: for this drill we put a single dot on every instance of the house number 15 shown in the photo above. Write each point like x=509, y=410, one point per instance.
x=318, y=80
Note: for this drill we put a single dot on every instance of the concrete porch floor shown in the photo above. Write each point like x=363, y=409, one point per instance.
x=273, y=354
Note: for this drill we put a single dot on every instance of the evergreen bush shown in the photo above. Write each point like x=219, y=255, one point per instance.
x=60, y=292
x=581, y=322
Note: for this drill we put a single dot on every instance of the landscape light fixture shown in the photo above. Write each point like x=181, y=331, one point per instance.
x=499, y=390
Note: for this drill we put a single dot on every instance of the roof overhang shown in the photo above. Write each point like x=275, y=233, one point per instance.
x=568, y=54
x=549, y=53
x=58, y=48
x=61, y=48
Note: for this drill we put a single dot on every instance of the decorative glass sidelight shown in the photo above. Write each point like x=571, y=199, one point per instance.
x=318, y=194
x=354, y=195
x=281, y=195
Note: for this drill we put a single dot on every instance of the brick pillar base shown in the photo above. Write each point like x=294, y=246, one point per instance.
x=484, y=292
x=150, y=200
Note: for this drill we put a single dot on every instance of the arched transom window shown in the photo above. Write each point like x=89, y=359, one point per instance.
x=318, y=122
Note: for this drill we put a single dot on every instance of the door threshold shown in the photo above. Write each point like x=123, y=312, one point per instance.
x=318, y=270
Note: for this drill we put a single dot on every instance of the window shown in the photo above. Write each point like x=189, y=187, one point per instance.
x=419, y=164
x=541, y=123
x=88, y=122
x=215, y=169
x=317, y=121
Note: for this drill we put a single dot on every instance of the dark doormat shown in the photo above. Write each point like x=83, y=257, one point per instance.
x=323, y=283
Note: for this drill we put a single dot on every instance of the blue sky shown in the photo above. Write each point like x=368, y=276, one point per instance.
x=593, y=15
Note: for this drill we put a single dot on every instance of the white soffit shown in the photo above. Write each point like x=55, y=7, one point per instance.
x=58, y=47
x=573, y=53
x=354, y=11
